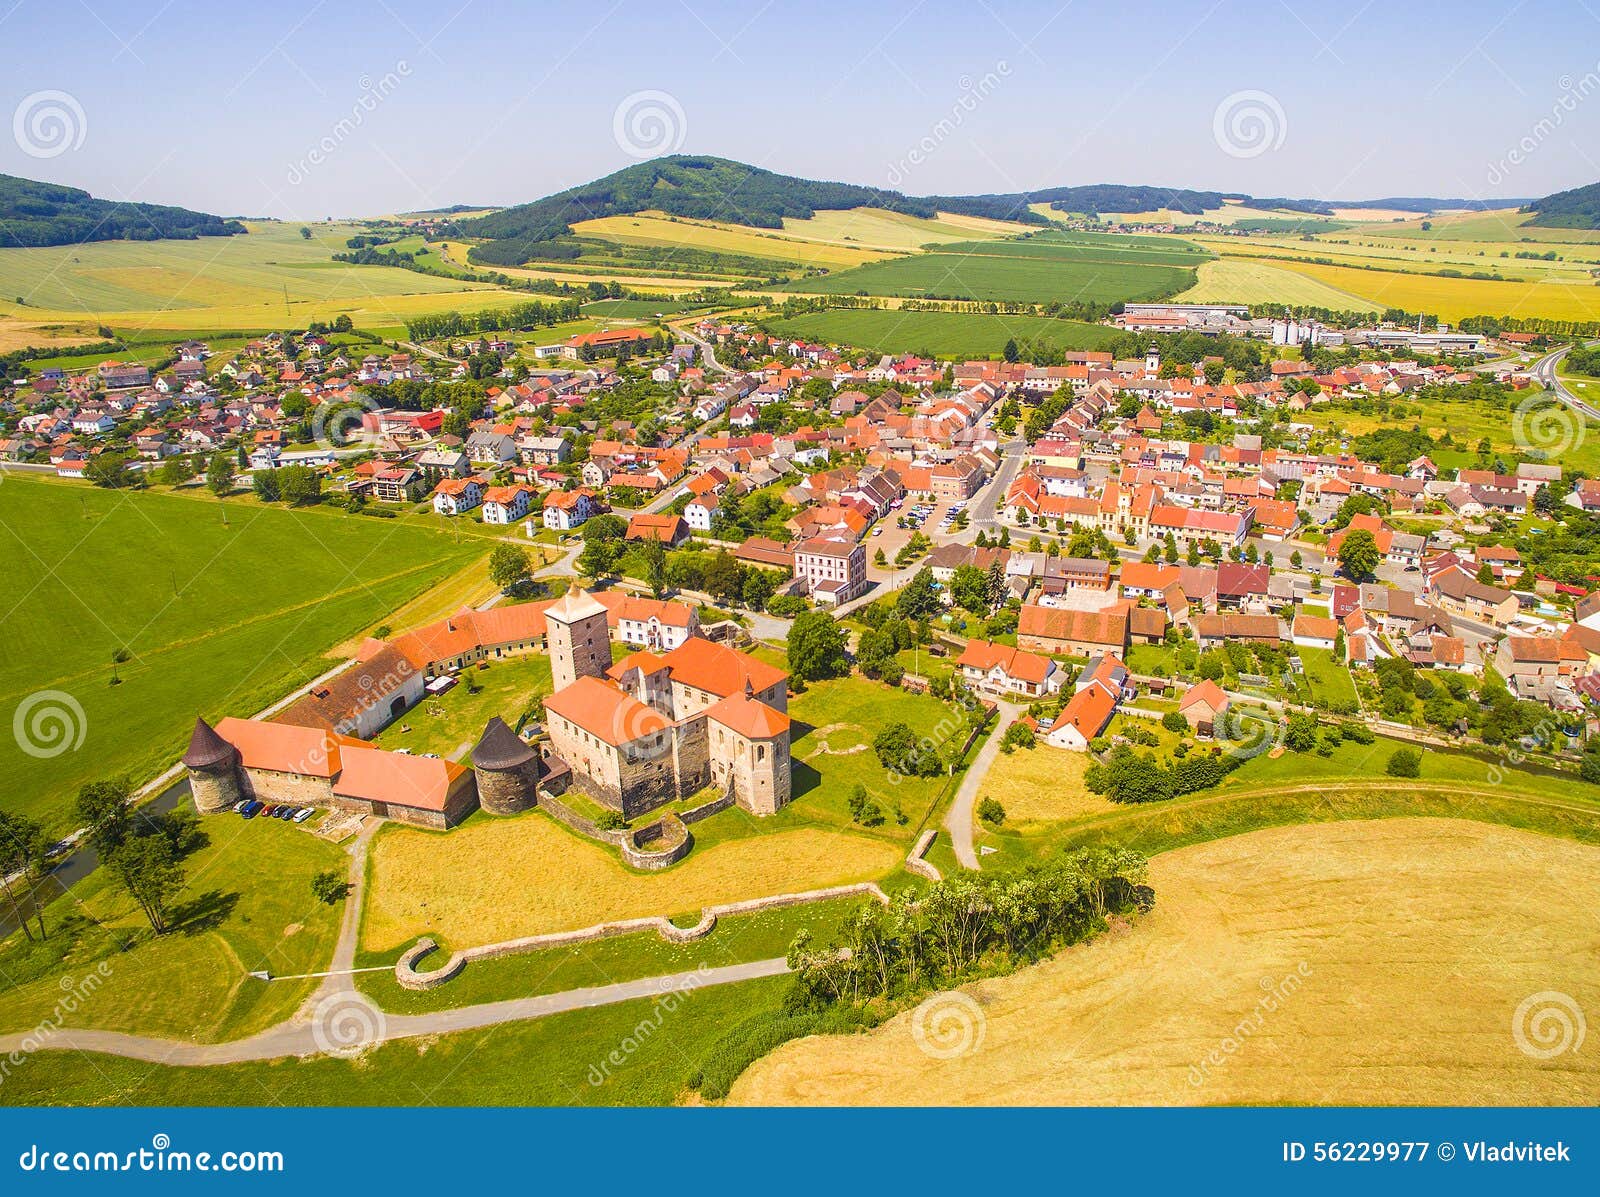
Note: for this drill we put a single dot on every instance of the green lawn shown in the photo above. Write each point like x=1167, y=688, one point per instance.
x=217, y=619
x=1153, y=660
x=593, y=1057
x=834, y=725
x=247, y=905
x=624, y=958
x=453, y=721
x=1328, y=677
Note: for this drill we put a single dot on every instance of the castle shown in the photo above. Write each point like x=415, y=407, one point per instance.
x=653, y=727
x=633, y=735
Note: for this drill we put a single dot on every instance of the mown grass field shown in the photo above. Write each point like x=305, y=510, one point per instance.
x=1048, y=266
x=218, y=618
x=1396, y=954
x=268, y=278
x=954, y=334
x=659, y=230
x=246, y=906
x=544, y=877
x=449, y=724
x=1240, y=280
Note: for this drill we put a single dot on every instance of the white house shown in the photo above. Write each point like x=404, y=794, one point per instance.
x=453, y=496
x=700, y=512
x=506, y=504
x=565, y=510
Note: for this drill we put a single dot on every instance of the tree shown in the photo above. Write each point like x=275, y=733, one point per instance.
x=175, y=471
x=604, y=527
x=299, y=485
x=330, y=887
x=969, y=587
x=1174, y=722
x=654, y=553
x=599, y=558
x=816, y=647
x=990, y=811
x=1486, y=573
x=1010, y=352
x=1404, y=762
x=724, y=577
x=510, y=568
x=919, y=599
x=219, y=474
x=1358, y=554
x=147, y=866
x=759, y=585
x=22, y=853
x=305, y=233
x=104, y=808
x=1295, y=559
x=265, y=484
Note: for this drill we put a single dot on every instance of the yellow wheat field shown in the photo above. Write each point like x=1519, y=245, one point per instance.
x=1398, y=961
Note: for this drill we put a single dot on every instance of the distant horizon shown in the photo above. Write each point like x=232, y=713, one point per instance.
x=1498, y=202
x=400, y=105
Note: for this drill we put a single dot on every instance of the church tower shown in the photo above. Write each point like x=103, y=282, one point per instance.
x=579, y=641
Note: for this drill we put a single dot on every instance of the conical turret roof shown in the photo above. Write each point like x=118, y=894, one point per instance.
x=500, y=748
x=207, y=749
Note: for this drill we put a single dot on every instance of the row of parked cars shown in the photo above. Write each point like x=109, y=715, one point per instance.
x=250, y=808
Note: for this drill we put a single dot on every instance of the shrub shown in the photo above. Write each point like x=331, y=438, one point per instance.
x=990, y=811
x=1404, y=762
x=1174, y=722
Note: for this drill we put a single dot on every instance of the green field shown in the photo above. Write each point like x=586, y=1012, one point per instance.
x=217, y=618
x=948, y=334
x=246, y=906
x=560, y=1060
x=1067, y=267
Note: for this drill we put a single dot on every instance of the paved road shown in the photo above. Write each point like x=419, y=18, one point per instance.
x=708, y=351
x=1545, y=371
x=958, y=822
x=982, y=511
x=301, y=1037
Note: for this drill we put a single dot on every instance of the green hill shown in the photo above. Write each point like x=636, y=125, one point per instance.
x=1575, y=209
x=34, y=213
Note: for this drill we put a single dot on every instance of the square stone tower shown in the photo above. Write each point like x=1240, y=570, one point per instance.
x=579, y=641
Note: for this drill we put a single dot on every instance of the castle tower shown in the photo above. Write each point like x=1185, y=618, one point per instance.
x=213, y=766
x=507, y=770
x=579, y=641
x=1152, y=362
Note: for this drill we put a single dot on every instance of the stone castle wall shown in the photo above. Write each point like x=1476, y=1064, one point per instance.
x=506, y=792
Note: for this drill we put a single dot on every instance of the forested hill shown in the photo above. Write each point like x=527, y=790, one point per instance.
x=34, y=213
x=699, y=188
x=1575, y=209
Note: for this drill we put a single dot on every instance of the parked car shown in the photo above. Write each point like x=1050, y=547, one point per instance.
x=287, y=812
x=301, y=815
x=253, y=809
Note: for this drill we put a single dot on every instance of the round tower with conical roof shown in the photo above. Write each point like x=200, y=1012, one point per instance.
x=213, y=766
x=507, y=770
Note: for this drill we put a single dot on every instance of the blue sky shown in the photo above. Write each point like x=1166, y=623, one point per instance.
x=305, y=109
